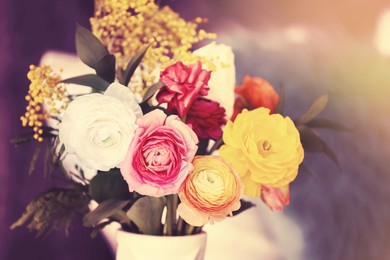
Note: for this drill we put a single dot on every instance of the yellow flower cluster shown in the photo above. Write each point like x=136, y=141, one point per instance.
x=45, y=89
x=127, y=26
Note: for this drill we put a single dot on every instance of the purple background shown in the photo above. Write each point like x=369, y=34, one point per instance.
x=345, y=214
x=28, y=29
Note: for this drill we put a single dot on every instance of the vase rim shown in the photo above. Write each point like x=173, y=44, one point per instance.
x=123, y=232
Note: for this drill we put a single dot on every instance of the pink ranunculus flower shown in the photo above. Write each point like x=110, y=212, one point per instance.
x=160, y=155
x=183, y=84
x=206, y=118
x=275, y=198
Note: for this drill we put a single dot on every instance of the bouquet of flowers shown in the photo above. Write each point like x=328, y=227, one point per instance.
x=171, y=155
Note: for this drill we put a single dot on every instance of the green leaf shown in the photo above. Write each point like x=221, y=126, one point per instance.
x=132, y=65
x=312, y=143
x=47, y=162
x=304, y=168
x=331, y=155
x=108, y=185
x=60, y=152
x=106, y=209
x=34, y=158
x=99, y=227
x=27, y=214
x=53, y=209
x=245, y=205
x=216, y=145
x=146, y=213
x=202, y=146
x=105, y=68
x=151, y=90
x=280, y=106
x=121, y=217
x=21, y=139
x=89, y=49
x=90, y=80
x=325, y=123
x=317, y=107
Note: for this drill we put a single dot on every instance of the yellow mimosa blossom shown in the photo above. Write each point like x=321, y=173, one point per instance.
x=46, y=98
x=126, y=27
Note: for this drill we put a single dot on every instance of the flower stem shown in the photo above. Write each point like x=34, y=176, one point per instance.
x=197, y=230
x=180, y=226
x=170, y=223
x=189, y=229
x=216, y=146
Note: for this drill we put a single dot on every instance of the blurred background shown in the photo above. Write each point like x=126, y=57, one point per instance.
x=340, y=48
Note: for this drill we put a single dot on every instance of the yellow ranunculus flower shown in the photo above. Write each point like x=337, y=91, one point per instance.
x=265, y=149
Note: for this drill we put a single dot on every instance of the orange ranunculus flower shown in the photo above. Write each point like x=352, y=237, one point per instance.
x=257, y=92
x=211, y=192
x=275, y=198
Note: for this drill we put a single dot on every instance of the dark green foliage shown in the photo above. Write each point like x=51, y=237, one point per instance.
x=54, y=209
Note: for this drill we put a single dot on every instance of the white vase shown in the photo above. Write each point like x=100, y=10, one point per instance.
x=133, y=246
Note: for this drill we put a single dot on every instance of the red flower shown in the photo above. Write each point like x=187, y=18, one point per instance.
x=275, y=198
x=184, y=84
x=206, y=117
x=253, y=93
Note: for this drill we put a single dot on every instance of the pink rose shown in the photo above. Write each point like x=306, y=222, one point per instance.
x=206, y=118
x=275, y=198
x=160, y=155
x=184, y=84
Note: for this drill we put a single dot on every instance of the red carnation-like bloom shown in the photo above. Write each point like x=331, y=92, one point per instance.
x=183, y=85
x=206, y=117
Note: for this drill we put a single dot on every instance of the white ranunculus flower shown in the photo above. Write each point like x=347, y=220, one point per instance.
x=98, y=128
x=223, y=80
